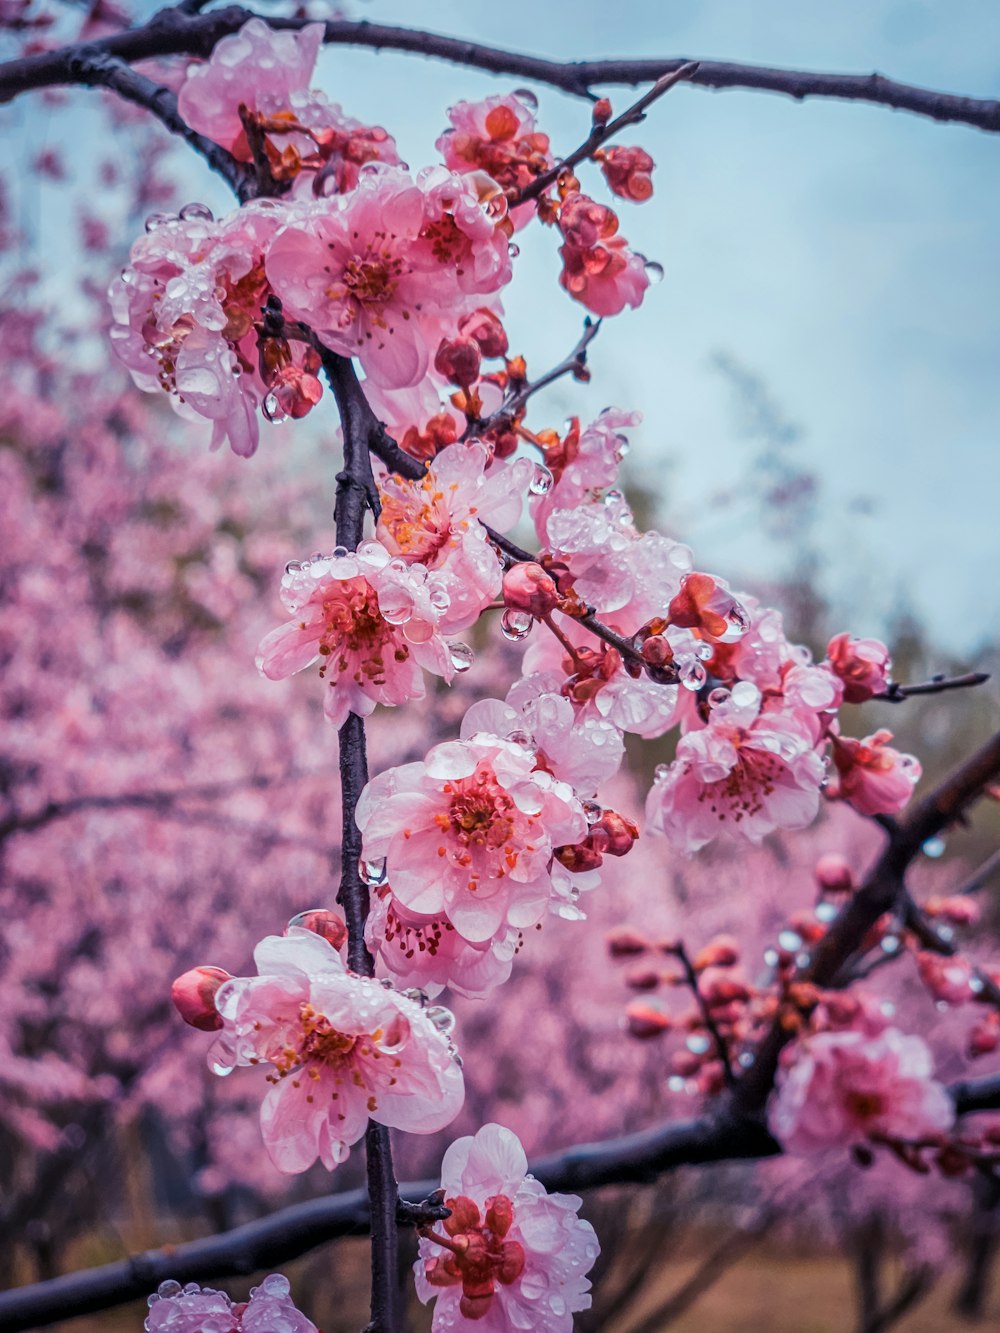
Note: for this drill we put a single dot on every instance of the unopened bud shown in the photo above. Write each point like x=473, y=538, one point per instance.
x=601, y=111
x=723, y=951
x=959, y=910
x=579, y=857
x=527, y=587
x=613, y=834
x=645, y=1021
x=193, y=995
x=626, y=942
x=458, y=360
x=642, y=978
x=834, y=875
x=464, y=1215
x=485, y=329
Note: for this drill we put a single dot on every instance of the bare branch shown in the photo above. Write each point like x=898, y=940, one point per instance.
x=633, y=1159
x=174, y=32
x=897, y=694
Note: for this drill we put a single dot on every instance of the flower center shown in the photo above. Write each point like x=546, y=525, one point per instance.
x=356, y=634
x=479, y=810
x=477, y=1254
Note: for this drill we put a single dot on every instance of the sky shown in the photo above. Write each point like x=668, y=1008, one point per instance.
x=846, y=255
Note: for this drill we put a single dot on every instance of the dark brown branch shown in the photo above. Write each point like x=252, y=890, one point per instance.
x=633, y=1159
x=691, y=978
x=897, y=694
x=979, y=877
x=931, y=938
x=575, y=364
x=882, y=891
x=171, y=32
x=98, y=69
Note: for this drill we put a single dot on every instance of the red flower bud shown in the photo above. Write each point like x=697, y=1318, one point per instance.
x=485, y=329
x=834, y=875
x=601, y=111
x=193, y=995
x=613, y=834
x=458, y=360
x=645, y=1021
x=862, y=664
x=627, y=171
x=642, y=978
x=579, y=858
x=527, y=587
x=626, y=942
x=723, y=951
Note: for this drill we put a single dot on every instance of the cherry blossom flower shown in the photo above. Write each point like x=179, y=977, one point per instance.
x=468, y=834
x=342, y=1047
x=186, y=310
x=192, y=1309
x=438, y=521
x=584, y=460
x=510, y=1256
x=871, y=776
x=376, y=271
x=306, y=137
x=498, y=136
x=744, y=774
x=628, y=171
x=836, y=1089
x=372, y=621
x=599, y=270
x=862, y=664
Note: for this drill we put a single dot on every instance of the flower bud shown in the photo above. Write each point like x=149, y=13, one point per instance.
x=947, y=979
x=627, y=171
x=579, y=857
x=601, y=111
x=485, y=329
x=193, y=995
x=645, y=1021
x=613, y=834
x=626, y=942
x=834, y=875
x=959, y=910
x=862, y=664
x=527, y=587
x=642, y=977
x=723, y=951
x=458, y=360
x=499, y=1215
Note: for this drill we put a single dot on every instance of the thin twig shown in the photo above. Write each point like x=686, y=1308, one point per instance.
x=680, y=952
x=601, y=133
x=897, y=694
x=513, y=406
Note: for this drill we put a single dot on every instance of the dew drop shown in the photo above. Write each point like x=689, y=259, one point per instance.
x=157, y=220
x=541, y=480
x=717, y=697
x=692, y=674
x=519, y=737
x=789, y=940
x=293, y=567
x=745, y=1059
x=622, y=445
x=440, y=598
x=890, y=944
x=515, y=625
x=197, y=213
x=462, y=656
x=826, y=911
x=976, y=985
x=654, y=271
x=698, y=1044
x=771, y=957
x=526, y=96
x=934, y=847
x=169, y=1288
x=272, y=410
x=661, y=772
x=513, y=249
x=442, y=1018
x=339, y=552
x=374, y=872
x=675, y=1083
x=217, y=1067
x=737, y=623
x=417, y=995
x=592, y=811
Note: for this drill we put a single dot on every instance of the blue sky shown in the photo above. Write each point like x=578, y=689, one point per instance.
x=845, y=254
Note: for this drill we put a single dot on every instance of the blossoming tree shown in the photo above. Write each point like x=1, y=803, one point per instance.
x=342, y=272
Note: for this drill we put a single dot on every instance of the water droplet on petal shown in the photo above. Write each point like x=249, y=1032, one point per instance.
x=718, y=696
x=526, y=96
x=272, y=410
x=737, y=623
x=157, y=220
x=462, y=656
x=934, y=847
x=654, y=271
x=417, y=995
x=975, y=985
x=789, y=940
x=442, y=1018
x=541, y=480
x=515, y=625
x=293, y=567
x=373, y=872
x=513, y=249
x=592, y=811
x=519, y=737
x=169, y=1288
x=692, y=674
x=622, y=445
x=698, y=1044
x=217, y=1067
x=890, y=944
x=661, y=772
x=197, y=213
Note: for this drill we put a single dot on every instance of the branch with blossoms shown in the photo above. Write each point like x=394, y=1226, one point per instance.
x=341, y=263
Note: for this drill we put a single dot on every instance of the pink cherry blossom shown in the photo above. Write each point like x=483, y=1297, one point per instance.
x=427, y=952
x=186, y=310
x=585, y=460
x=438, y=522
x=468, y=834
x=258, y=67
x=498, y=136
x=379, y=271
x=836, y=1089
x=510, y=1256
x=862, y=664
x=342, y=1048
x=744, y=774
x=371, y=621
x=191, y=1309
x=873, y=777
x=599, y=270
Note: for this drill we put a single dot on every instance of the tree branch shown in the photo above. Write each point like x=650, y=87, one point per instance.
x=174, y=32
x=897, y=694
x=285, y=1235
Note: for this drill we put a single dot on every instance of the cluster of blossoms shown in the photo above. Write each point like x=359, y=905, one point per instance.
x=191, y=1309
x=401, y=271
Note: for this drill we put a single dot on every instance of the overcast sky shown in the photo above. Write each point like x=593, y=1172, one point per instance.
x=847, y=255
